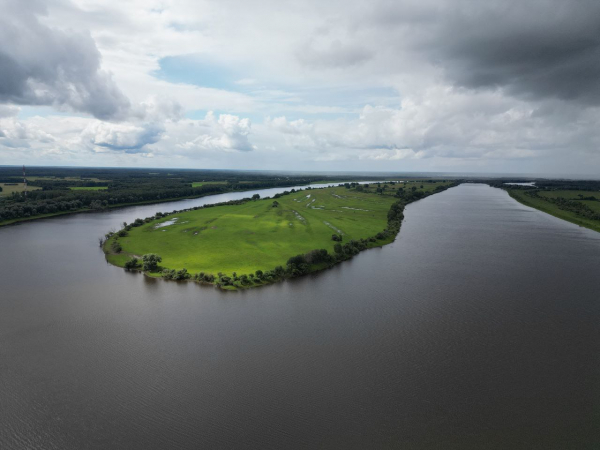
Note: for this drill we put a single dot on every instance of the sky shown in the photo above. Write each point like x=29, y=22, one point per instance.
x=499, y=86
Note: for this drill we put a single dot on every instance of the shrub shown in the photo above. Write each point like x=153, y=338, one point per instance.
x=116, y=247
x=132, y=263
x=182, y=274
x=150, y=261
x=296, y=260
x=168, y=274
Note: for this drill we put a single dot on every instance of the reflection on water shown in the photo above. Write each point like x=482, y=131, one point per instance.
x=477, y=328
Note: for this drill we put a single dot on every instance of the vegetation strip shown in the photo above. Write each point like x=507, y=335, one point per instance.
x=571, y=200
x=252, y=242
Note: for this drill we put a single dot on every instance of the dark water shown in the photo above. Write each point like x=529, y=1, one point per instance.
x=479, y=328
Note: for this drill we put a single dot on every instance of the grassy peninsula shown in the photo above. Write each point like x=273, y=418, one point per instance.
x=255, y=241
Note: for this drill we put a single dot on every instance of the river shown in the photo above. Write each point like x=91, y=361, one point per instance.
x=477, y=328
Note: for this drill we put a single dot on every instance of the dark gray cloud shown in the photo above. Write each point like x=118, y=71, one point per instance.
x=40, y=65
x=534, y=49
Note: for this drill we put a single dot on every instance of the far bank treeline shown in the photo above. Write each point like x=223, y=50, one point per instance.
x=63, y=190
x=297, y=265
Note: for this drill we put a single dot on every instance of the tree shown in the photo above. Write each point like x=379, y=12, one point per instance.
x=338, y=248
x=115, y=246
x=275, y=204
x=150, y=261
x=132, y=263
x=256, y=197
x=259, y=274
x=181, y=274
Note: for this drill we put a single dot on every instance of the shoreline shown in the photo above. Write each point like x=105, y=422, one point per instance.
x=550, y=211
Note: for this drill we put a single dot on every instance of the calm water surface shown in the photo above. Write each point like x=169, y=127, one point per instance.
x=479, y=328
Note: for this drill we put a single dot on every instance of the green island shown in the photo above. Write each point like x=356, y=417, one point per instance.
x=571, y=200
x=253, y=242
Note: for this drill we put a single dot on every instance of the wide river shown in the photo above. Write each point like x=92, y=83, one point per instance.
x=478, y=328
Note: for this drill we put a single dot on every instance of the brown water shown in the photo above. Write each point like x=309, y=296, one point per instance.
x=479, y=328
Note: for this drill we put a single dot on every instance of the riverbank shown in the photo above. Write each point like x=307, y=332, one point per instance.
x=250, y=243
x=116, y=206
x=552, y=209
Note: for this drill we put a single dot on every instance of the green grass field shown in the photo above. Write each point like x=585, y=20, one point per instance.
x=256, y=235
x=202, y=183
x=553, y=209
x=97, y=180
x=569, y=194
x=89, y=188
x=8, y=189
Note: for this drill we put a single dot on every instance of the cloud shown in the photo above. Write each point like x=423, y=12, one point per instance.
x=535, y=49
x=332, y=54
x=47, y=66
x=227, y=133
x=128, y=138
x=8, y=111
x=419, y=84
x=484, y=125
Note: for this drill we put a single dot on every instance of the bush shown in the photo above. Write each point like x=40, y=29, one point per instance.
x=168, y=274
x=182, y=274
x=296, y=260
x=150, y=261
x=132, y=263
x=317, y=256
x=116, y=247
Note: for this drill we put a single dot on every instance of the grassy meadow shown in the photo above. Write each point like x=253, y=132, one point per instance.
x=89, y=188
x=203, y=183
x=9, y=188
x=257, y=235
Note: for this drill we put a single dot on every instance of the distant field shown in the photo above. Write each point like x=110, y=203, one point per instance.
x=593, y=205
x=89, y=188
x=571, y=195
x=256, y=235
x=96, y=180
x=8, y=189
x=202, y=183
x=554, y=210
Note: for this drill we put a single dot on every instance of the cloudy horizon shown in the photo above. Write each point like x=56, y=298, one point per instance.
x=427, y=86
